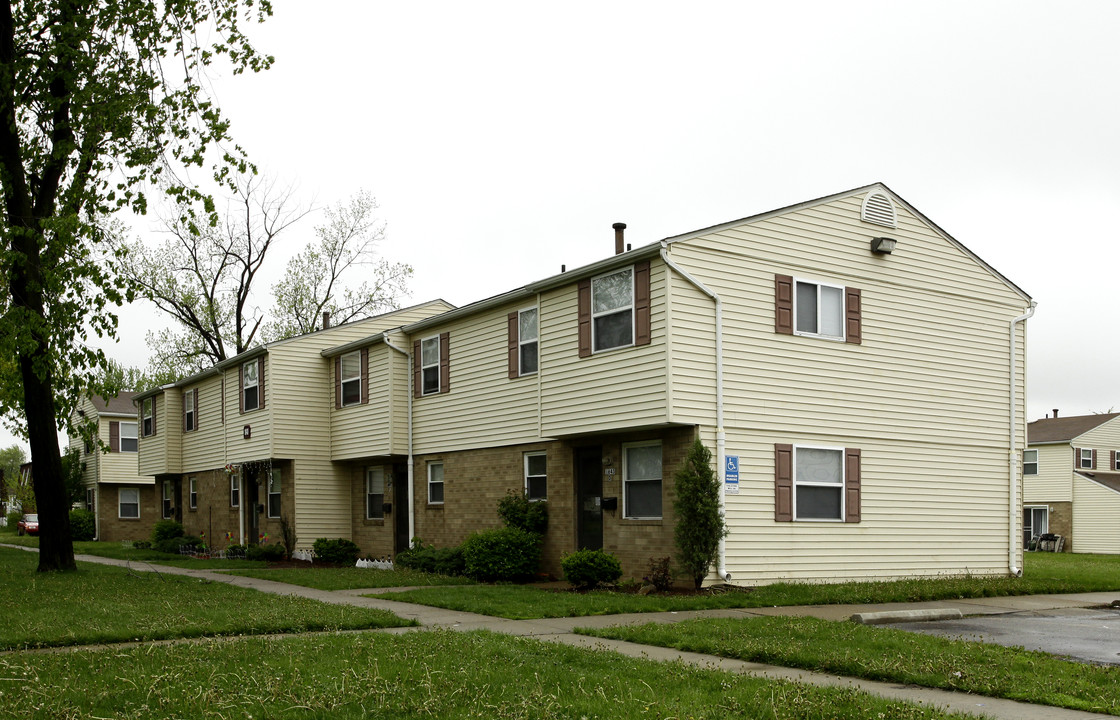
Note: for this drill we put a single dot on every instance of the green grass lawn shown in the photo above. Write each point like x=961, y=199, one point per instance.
x=445, y=675
x=889, y=655
x=120, y=551
x=1044, y=573
x=100, y=604
x=352, y=578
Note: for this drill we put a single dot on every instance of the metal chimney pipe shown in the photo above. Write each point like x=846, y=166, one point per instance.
x=326, y=319
x=618, y=242
x=1055, y=412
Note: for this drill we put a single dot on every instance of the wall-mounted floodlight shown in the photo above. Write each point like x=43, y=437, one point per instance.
x=883, y=245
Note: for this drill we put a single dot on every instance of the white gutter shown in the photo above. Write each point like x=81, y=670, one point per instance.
x=1013, y=460
x=411, y=484
x=721, y=435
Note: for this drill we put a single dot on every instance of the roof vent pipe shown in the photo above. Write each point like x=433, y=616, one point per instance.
x=326, y=319
x=618, y=243
x=1055, y=412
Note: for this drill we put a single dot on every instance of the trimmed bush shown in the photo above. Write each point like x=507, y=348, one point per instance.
x=83, y=525
x=13, y=519
x=700, y=526
x=590, y=568
x=268, y=553
x=167, y=536
x=442, y=561
x=339, y=551
x=509, y=553
x=517, y=511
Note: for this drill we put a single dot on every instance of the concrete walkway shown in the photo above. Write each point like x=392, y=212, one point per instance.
x=560, y=630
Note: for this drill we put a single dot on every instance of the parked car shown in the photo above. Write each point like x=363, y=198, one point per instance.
x=28, y=524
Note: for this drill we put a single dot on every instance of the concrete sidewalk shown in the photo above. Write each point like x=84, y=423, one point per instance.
x=560, y=630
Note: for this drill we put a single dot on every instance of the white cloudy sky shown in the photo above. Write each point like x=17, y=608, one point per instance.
x=503, y=139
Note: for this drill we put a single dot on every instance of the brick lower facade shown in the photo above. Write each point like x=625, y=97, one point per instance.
x=113, y=528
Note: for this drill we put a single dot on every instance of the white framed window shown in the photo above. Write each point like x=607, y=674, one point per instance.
x=429, y=365
x=91, y=498
x=128, y=503
x=351, y=378
x=1036, y=521
x=536, y=476
x=188, y=411
x=235, y=490
x=641, y=480
x=818, y=309
x=147, y=416
x=818, y=483
x=612, y=310
x=1030, y=462
x=128, y=437
x=1116, y=461
x=274, y=494
x=435, y=483
x=528, y=333
x=193, y=484
x=166, y=499
x=1086, y=458
x=375, y=493
x=250, y=389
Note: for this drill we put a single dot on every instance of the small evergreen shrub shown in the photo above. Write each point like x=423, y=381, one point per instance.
x=425, y=558
x=339, y=551
x=700, y=526
x=83, y=524
x=660, y=574
x=269, y=553
x=13, y=519
x=587, y=569
x=508, y=553
x=517, y=511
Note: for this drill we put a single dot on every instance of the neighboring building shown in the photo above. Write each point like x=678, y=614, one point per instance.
x=1071, y=481
x=861, y=363
x=123, y=501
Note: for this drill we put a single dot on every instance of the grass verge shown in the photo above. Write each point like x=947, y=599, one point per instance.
x=100, y=604
x=890, y=655
x=352, y=578
x=418, y=675
x=119, y=551
x=1044, y=573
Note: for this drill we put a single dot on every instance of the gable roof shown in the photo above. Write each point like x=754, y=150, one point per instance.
x=1110, y=480
x=119, y=405
x=1052, y=430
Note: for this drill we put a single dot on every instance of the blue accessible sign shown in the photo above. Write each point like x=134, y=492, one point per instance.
x=731, y=475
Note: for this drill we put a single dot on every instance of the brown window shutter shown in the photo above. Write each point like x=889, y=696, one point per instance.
x=641, y=304
x=260, y=382
x=184, y=415
x=114, y=436
x=241, y=388
x=417, y=378
x=365, y=374
x=338, y=382
x=513, y=337
x=1093, y=462
x=584, y=308
x=783, y=483
x=783, y=305
x=1111, y=459
x=851, y=485
x=196, y=409
x=444, y=363
x=854, y=316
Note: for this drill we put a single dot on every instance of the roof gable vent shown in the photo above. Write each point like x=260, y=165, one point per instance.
x=878, y=209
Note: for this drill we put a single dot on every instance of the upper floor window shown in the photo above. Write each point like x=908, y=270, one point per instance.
x=351, y=378
x=641, y=480
x=1086, y=458
x=1116, y=459
x=819, y=309
x=536, y=476
x=128, y=437
x=527, y=334
x=1030, y=462
x=250, y=386
x=612, y=310
x=148, y=417
x=429, y=365
x=375, y=493
x=189, y=412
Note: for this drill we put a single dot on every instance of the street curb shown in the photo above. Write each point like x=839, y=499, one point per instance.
x=894, y=616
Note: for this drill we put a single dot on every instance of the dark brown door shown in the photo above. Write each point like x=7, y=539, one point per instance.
x=400, y=510
x=589, y=497
x=252, y=512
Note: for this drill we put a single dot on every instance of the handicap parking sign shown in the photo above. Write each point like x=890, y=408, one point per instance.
x=731, y=475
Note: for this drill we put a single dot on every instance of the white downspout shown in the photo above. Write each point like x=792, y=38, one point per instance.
x=411, y=484
x=1013, y=461
x=721, y=435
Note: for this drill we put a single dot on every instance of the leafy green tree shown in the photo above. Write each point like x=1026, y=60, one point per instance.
x=98, y=100
x=700, y=526
x=10, y=460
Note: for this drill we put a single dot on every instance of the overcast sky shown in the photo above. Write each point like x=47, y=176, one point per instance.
x=503, y=139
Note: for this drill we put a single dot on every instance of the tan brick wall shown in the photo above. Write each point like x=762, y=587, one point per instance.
x=1060, y=522
x=373, y=536
x=213, y=517
x=475, y=480
x=112, y=528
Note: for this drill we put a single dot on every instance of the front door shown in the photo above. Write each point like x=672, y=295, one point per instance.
x=400, y=510
x=252, y=512
x=589, y=497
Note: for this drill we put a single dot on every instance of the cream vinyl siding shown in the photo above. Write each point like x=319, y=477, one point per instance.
x=1054, y=482
x=925, y=396
x=322, y=499
x=205, y=448
x=1103, y=438
x=484, y=408
x=610, y=390
x=116, y=467
x=1096, y=509
x=162, y=453
x=373, y=429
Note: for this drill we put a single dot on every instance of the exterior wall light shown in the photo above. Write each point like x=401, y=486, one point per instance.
x=883, y=245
